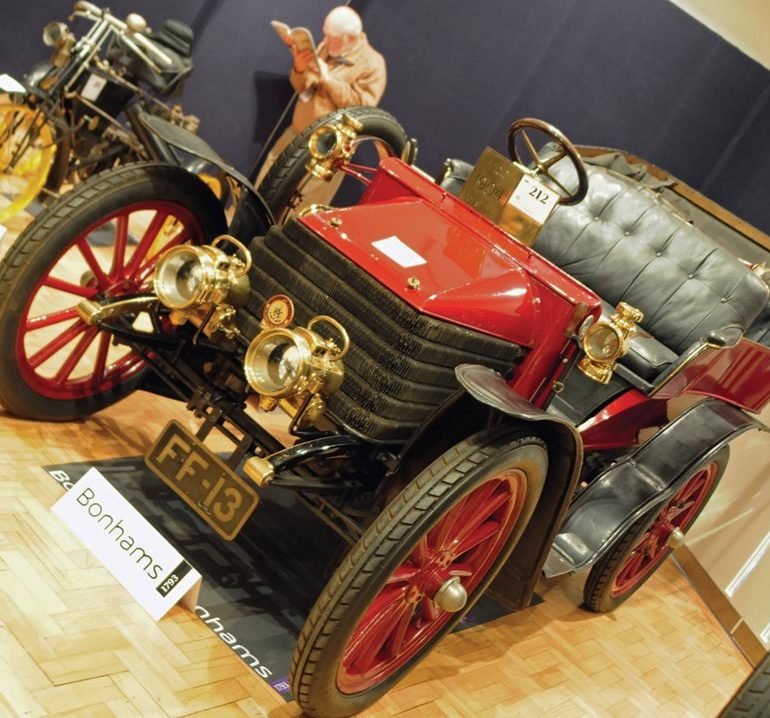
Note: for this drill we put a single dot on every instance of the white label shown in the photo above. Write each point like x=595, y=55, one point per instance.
x=534, y=199
x=400, y=253
x=150, y=568
x=93, y=87
x=9, y=84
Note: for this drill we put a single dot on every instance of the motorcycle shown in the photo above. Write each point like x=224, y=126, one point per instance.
x=80, y=112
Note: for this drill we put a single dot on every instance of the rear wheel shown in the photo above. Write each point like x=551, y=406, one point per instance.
x=288, y=185
x=417, y=570
x=26, y=153
x=644, y=547
x=99, y=241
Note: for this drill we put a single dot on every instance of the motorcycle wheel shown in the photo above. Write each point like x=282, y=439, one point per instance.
x=282, y=187
x=26, y=153
x=388, y=601
x=55, y=366
x=641, y=550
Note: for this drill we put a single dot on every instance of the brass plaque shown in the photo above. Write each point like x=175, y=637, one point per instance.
x=502, y=191
x=211, y=488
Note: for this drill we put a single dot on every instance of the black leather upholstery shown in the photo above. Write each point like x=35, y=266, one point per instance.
x=626, y=246
x=453, y=175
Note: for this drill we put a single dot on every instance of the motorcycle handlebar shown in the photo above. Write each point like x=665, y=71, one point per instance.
x=136, y=41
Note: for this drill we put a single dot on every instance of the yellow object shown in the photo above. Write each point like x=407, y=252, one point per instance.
x=26, y=153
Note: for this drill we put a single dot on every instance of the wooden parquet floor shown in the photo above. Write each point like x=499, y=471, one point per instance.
x=74, y=643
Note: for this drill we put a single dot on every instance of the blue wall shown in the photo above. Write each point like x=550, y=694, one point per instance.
x=643, y=76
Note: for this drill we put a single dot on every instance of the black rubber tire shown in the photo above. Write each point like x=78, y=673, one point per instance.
x=598, y=586
x=44, y=239
x=386, y=544
x=752, y=700
x=288, y=170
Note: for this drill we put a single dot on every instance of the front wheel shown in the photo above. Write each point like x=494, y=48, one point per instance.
x=289, y=186
x=26, y=153
x=417, y=570
x=99, y=241
x=644, y=546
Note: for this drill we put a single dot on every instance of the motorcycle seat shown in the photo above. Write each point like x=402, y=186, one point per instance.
x=175, y=35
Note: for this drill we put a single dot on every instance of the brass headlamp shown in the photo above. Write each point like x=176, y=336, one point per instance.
x=282, y=362
x=188, y=277
x=331, y=144
x=606, y=341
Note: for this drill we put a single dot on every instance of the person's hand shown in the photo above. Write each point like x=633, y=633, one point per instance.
x=302, y=59
x=323, y=70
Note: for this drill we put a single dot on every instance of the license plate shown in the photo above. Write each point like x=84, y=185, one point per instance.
x=211, y=488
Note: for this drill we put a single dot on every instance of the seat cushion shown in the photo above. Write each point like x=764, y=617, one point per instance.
x=625, y=245
x=453, y=175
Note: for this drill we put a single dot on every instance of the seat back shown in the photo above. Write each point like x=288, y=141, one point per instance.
x=627, y=245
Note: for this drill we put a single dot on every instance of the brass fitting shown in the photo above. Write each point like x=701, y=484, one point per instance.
x=332, y=144
x=605, y=342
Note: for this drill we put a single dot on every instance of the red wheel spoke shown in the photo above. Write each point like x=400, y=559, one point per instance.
x=101, y=357
x=693, y=486
x=119, y=252
x=420, y=553
x=370, y=637
x=77, y=354
x=55, y=345
x=46, y=320
x=477, y=536
x=462, y=569
x=101, y=278
x=631, y=567
x=401, y=574
x=146, y=242
x=395, y=640
x=675, y=511
x=443, y=533
x=482, y=505
x=69, y=287
x=429, y=612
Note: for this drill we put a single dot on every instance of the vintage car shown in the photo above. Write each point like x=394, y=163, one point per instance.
x=472, y=396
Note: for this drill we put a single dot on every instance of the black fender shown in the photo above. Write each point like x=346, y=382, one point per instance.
x=649, y=476
x=486, y=399
x=251, y=208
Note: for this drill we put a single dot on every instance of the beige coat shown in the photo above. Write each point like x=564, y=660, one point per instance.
x=360, y=83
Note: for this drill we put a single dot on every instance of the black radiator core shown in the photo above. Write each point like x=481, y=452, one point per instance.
x=401, y=363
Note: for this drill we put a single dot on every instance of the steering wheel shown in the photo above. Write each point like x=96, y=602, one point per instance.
x=564, y=149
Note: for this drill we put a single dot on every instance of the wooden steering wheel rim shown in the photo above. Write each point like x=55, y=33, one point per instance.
x=566, y=149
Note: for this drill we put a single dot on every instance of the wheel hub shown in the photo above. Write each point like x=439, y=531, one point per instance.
x=452, y=595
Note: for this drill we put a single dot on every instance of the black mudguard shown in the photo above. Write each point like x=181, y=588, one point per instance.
x=186, y=141
x=648, y=477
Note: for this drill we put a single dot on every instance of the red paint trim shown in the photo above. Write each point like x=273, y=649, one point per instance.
x=618, y=424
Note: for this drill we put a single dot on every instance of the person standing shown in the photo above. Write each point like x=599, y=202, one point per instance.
x=348, y=71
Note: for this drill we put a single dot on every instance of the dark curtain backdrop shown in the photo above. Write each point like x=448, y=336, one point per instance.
x=642, y=76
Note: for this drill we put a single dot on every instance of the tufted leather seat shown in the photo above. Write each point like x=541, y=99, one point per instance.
x=627, y=245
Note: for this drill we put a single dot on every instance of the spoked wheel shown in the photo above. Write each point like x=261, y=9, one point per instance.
x=26, y=152
x=289, y=186
x=643, y=548
x=417, y=570
x=100, y=242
